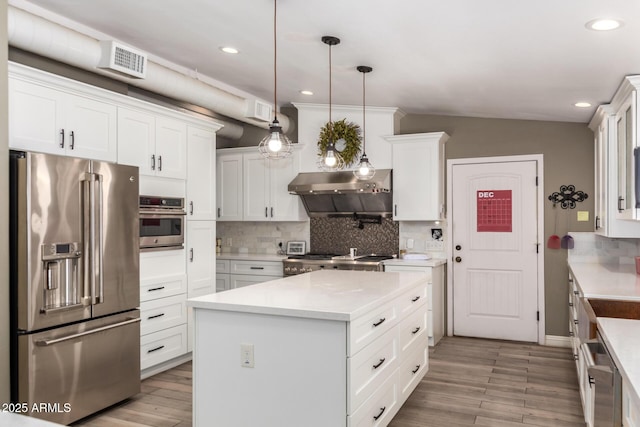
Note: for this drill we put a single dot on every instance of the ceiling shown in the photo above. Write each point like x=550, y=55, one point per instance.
x=490, y=58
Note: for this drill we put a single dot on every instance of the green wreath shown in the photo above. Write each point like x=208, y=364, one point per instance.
x=341, y=130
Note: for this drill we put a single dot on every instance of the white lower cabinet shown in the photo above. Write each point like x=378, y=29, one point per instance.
x=435, y=297
x=223, y=281
x=231, y=274
x=158, y=347
x=630, y=406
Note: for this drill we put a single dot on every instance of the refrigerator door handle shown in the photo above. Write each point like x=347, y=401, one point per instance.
x=100, y=243
x=93, y=238
x=81, y=334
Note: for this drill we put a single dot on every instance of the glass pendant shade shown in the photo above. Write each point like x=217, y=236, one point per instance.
x=365, y=170
x=275, y=145
x=332, y=160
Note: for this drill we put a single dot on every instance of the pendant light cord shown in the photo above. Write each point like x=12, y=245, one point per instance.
x=330, y=120
x=275, y=58
x=364, y=123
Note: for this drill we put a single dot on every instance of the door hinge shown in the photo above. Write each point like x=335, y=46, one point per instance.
x=538, y=316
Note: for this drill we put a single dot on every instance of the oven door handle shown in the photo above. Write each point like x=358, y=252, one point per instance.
x=174, y=212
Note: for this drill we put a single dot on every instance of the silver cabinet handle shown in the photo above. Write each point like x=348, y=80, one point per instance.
x=153, y=162
x=82, y=334
x=73, y=140
x=160, y=163
x=61, y=138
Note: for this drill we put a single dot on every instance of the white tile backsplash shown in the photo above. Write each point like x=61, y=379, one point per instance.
x=590, y=247
x=260, y=237
x=421, y=234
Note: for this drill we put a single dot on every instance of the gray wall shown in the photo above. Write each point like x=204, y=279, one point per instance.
x=4, y=212
x=568, y=159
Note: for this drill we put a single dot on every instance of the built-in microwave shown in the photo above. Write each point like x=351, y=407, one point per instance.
x=162, y=223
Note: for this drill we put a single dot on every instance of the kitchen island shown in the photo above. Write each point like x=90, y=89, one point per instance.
x=327, y=348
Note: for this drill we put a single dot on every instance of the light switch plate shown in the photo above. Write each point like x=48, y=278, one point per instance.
x=246, y=356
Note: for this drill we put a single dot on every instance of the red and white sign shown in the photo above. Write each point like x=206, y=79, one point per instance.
x=494, y=210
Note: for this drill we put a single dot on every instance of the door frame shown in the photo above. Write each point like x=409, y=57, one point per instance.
x=539, y=158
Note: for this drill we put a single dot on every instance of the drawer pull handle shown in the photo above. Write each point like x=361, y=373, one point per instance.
x=375, y=417
x=575, y=356
x=415, y=331
x=570, y=333
x=155, y=289
x=416, y=370
x=377, y=365
x=576, y=322
x=576, y=292
x=256, y=268
x=570, y=304
x=155, y=316
x=415, y=299
x=379, y=322
x=155, y=349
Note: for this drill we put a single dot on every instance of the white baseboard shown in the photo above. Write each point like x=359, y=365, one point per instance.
x=164, y=366
x=557, y=341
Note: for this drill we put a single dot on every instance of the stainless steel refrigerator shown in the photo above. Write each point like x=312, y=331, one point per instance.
x=74, y=285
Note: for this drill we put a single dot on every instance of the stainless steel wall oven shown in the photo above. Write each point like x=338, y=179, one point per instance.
x=162, y=223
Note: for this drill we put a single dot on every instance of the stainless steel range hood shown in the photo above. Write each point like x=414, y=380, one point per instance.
x=326, y=194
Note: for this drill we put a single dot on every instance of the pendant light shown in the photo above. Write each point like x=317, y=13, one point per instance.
x=275, y=145
x=365, y=170
x=332, y=159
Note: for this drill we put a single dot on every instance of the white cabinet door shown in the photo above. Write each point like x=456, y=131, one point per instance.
x=52, y=121
x=201, y=257
x=418, y=176
x=171, y=148
x=229, y=186
x=91, y=128
x=256, y=187
x=283, y=205
x=201, y=174
x=136, y=140
x=223, y=282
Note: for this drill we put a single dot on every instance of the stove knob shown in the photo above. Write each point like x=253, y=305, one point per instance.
x=287, y=269
x=309, y=270
x=294, y=270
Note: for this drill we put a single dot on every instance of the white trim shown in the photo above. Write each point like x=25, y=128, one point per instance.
x=539, y=159
x=165, y=366
x=557, y=341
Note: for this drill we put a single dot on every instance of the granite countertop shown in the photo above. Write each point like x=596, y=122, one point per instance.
x=325, y=294
x=251, y=257
x=607, y=281
x=433, y=262
x=622, y=338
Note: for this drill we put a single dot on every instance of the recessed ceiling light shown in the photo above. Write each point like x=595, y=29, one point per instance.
x=582, y=104
x=605, y=24
x=229, y=49
x=306, y=92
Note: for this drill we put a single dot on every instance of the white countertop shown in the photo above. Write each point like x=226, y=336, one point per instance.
x=433, y=262
x=324, y=294
x=251, y=257
x=622, y=338
x=607, y=281
x=10, y=419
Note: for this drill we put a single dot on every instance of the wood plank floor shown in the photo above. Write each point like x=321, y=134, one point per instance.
x=470, y=382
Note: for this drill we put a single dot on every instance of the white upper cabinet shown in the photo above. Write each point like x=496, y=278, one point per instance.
x=201, y=174
x=154, y=143
x=418, y=176
x=252, y=188
x=51, y=120
x=229, y=186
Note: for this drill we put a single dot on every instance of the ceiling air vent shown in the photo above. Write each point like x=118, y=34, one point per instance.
x=258, y=110
x=123, y=59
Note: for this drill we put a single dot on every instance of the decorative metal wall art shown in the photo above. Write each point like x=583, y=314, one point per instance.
x=568, y=196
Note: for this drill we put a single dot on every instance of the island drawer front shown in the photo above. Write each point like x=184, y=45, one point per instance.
x=154, y=289
x=410, y=269
x=369, y=368
x=162, y=313
x=380, y=408
x=263, y=268
x=161, y=346
x=242, y=280
x=630, y=406
x=413, y=329
x=372, y=325
x=412, y=299
x=223, y=266
x=414, y=366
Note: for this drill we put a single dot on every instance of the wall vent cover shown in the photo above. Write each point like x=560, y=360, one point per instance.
x=258, y=110
x=123, y=59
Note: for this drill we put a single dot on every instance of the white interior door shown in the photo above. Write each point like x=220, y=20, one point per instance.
x=494, y=246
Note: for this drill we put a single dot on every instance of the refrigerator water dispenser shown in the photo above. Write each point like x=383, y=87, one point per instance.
x=61, y=275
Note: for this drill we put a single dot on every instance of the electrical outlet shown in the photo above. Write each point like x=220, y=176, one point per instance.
x=246, y=356
x=409, y=243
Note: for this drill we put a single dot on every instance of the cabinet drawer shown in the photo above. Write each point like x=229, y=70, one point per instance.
x=413, y=329
x=222, y=266
x=411, y=300
x=153, y=289
x=263, y=268
x=162, y=314
x=241, y=280
x=380, y=408
x=161, y=346
x=414, y=366
x=369, y=327
x=223, y=282
x=369, y=368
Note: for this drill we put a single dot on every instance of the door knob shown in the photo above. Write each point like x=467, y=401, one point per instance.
x=458, y=247
x=458, y=259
